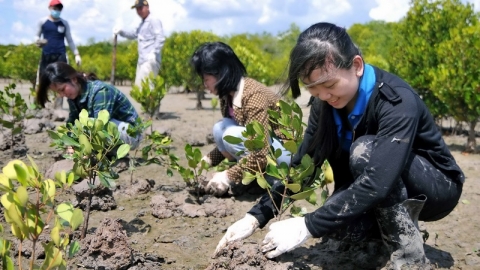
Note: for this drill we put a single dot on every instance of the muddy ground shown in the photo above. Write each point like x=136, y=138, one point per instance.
x=156, y=224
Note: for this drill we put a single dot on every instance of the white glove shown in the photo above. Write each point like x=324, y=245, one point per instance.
x=116, y=30
x=239, y=230
x=284, y=236
x=218, y=185
x=78, y=60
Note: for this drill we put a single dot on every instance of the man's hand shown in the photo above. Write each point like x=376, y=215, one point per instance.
x=239, y=230
x=218, y=185
x=284, y=236
x=116, y=30
x=41, y=42
x=78, y=60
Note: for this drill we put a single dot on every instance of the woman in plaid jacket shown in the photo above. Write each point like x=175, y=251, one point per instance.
x=242, y=100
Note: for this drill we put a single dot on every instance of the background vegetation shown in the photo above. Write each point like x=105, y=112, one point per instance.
x=434, y=48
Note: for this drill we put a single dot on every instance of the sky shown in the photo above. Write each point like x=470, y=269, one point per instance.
x=94, y=19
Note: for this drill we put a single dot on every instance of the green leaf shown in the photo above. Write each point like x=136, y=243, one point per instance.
x=65, y=211
x=232, y=139
x=291, y=146
x=17, y=130
x=53, y=256
x=50, y=189
x=7, y=263
x=104, y=116
x=302, y=195
x=312, y=198
x=261, y=181
x=22, y=196
x=55, y=235
x=247, y=178
x=259, y=129
x=73, y=249
x=123, y=150
x=53, y=134
x=77, y=219
x=324, y=196
x=169, y=172
x=294, y=187
x=83, y=117
x=285, y=107
x=21, y=174
x=272, y=170
x=69, y=141
x=306, y=161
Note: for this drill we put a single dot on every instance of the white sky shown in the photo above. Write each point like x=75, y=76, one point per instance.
x=96, y=18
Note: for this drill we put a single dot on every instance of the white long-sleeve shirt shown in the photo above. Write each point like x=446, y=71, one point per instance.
x=150, y=39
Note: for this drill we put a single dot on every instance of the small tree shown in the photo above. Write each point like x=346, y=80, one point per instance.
x=300, y=181
x=156, y=150
x=29, y=205
x=13, y=111
x=97, y=145
x=150, y=95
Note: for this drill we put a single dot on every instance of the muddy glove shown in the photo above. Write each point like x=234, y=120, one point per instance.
x=284, y=236
x=218, y=185
x=78, y=60
x=239, y=230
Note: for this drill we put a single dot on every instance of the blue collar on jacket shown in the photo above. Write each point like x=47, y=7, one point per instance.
x=367, y=83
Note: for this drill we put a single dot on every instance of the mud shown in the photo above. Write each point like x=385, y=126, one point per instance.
x=158, y=223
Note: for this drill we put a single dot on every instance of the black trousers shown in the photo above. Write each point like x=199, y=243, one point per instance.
x=419, y=177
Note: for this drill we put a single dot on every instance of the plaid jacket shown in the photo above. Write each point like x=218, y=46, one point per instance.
x=102, y=96
x=251, y=102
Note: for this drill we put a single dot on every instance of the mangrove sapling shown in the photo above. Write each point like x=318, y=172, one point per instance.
x=156, y=148
x=94, y=141
x=300, y=181
x=150, y=94
x=13, y=112
x=30, y=204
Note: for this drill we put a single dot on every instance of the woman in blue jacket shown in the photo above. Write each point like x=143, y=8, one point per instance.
x=390, y=163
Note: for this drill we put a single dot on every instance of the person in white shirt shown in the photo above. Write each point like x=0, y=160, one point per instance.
x=150, y=41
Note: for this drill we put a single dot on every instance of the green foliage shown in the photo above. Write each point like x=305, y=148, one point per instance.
x=94, y=142
x=29, y=202
x=156, y=149
x=13, y=110
x=375, y=42
x=196, y=166
x=456, y=80
x=151, y=94
x=302, y=180
x=22, y=63
x=178, y=49
x=418, y=35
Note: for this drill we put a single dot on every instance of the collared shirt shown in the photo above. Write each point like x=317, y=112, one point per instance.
x=102, y=96
x=150, y=39
x=365, y=89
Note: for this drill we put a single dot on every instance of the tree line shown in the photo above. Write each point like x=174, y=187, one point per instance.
x=434, y=48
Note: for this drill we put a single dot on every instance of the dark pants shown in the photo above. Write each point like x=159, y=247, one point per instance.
x=419, y=177
x=44, y=62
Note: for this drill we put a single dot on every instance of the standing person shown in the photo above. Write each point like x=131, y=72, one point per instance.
x=390, y=163
x=87, y=92
x=242, y=100
x=55, y=30
x=150, y=42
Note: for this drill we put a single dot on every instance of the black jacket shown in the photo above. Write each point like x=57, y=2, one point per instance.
x=402, y=124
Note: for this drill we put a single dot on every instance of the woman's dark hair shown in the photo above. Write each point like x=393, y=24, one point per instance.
x=219, y=60
x=59, y=72
x=320, y=46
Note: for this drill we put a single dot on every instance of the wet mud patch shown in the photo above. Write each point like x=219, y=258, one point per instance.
x=243, y=256
x=184, y=204
x=109, y=248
